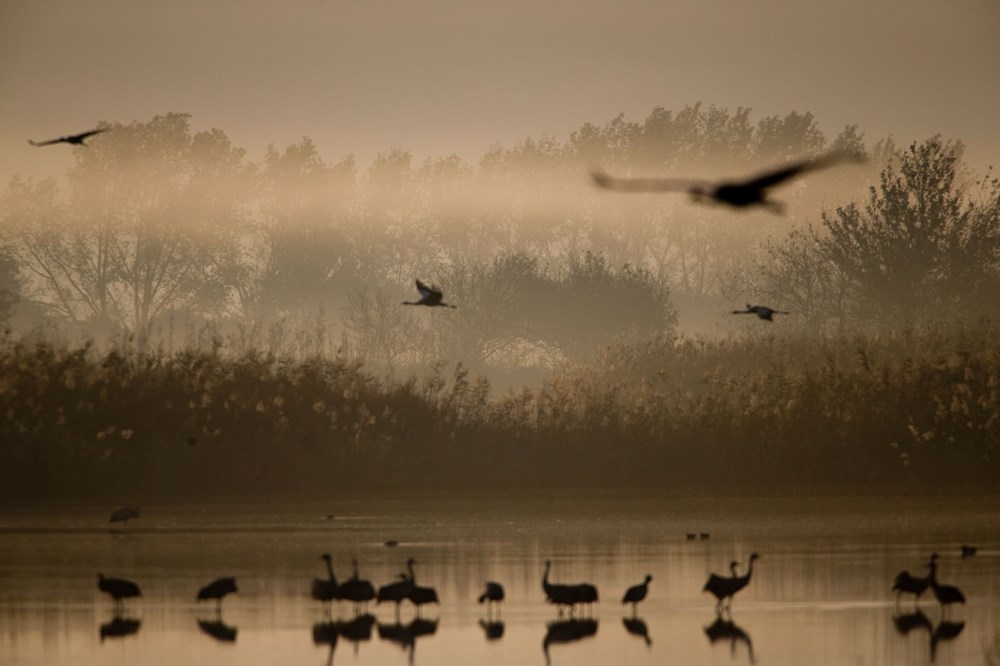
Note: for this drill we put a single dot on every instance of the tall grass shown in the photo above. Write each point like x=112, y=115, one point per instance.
x=915, y=410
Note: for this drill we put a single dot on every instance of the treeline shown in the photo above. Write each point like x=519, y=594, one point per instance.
x=169, y=238
x=913, y=412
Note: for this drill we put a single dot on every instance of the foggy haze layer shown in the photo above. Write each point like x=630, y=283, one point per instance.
x=441, y=77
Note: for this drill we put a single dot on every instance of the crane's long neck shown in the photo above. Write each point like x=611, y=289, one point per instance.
x=409, y=567
x=746, y=576
x=545, y=578
x=932, y=578
x=329, y=570
x=354, y=563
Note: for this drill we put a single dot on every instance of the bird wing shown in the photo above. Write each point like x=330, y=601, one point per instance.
x=603, y=179
x=714, y=580
x=424, y=290
x=47, y=143
x=83, y=135
x=771, y=178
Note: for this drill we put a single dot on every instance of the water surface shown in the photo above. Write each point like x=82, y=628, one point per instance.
x=820, y=592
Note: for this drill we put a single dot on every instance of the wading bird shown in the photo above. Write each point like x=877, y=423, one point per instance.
x=357, y=590
x=398, y=591
x=762, y=311
x=560, y=595
x=945, y=594
x=325, y=591
x=907, y=583
x=73, y=139
x=429, y=296
x=217, y=589
x=124, y=514
x=118, y=588
x=420, y=594
x=968, y=551
x=735, y=193
x=725, y=587
x=492, y=595
x=637, y=593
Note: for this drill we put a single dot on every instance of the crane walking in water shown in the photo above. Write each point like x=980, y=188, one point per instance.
x=945, y=594
x=910, y=584
x=725, y=587
x=118, y=588
x=637, y=593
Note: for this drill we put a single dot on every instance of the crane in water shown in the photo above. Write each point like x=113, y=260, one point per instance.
x=945, y=594
x=399, y=590
x=118, y=588
x=492, y=595
x=217, y=589
x=907, y=583
x=325, y=590
x=637, y=593
x=124, y=514
x=357, y=590
x=725, y=587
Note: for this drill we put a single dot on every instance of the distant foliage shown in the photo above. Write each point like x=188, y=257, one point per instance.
x=915, y=411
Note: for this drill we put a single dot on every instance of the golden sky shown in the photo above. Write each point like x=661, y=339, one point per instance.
x=439, y=77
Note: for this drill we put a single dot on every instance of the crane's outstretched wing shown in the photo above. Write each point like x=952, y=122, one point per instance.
x=772, y=178
x=424, y=290
x=47, y=143
x=84, y=135
x=603, y=179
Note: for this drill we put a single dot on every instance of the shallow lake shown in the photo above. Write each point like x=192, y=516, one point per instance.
x=820, y=592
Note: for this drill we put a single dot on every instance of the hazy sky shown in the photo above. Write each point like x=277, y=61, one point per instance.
x=438, y=77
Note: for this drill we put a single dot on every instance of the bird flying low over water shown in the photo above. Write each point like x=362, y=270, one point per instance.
x=763, y=312
x=735, y=193
x=73, y=139
x=429, y=296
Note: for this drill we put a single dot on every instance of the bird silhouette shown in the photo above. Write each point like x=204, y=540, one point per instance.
x=907, y=583
x=723, y=629
x=397, y=591
x=124, y=514
x=429, y=296
x=560, y=595
x=357, y=630
x=735, y=193
x=724, y=587
x=637, y=593
x=356, y=590
x=420, y=594
x=907, y=622
x=567, y=631
x=492, y=595
x=119, y=627
x=73, y=139
x=493, y=628
x=325, y=633
x=945, y=631
x=118, y=588
x=762, y=311
x=637, y=627
x=219, y=630
x=945, y=594
x=969, y=551
x=325, y=591
x=217, y=589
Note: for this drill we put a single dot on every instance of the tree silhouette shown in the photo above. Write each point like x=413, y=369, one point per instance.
x=925, y=244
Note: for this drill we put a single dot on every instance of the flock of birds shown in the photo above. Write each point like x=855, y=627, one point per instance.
x=739, y=194
x=565, y=596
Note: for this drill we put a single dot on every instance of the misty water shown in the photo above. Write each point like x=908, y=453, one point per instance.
x=820, y=592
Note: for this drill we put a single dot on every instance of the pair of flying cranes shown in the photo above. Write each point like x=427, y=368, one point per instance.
x=735, y=193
